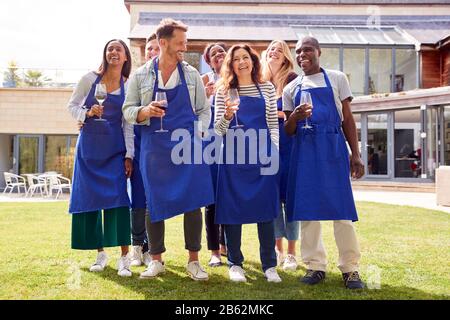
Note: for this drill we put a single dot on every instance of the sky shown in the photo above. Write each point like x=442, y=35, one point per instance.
x=63, y=34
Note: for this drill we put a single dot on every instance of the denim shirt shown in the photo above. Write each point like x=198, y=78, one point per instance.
x=140, y=93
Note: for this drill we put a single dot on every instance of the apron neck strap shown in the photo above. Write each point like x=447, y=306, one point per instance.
x=156, y=68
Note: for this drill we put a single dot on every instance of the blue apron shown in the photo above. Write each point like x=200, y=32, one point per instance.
x=99, y=180
x=172, y=189
x=319, y=185
x=243, y=194
x=214, y=144
x=285, y=153
x=137, y=186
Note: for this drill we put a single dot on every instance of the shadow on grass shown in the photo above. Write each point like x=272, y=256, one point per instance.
x=175, y=284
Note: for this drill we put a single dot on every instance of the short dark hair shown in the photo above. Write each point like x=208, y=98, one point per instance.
x=167, y=26
x=152, y=37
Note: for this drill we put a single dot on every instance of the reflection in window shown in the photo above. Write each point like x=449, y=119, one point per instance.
x=405, y=70
x=28, y=154
x=354, y=68
x=407, y=150
x=380, y=70
x=431, y=145
x=329, y=59
x=193, y=58
x=447, y=135
x=59, y=154
x=377, y=144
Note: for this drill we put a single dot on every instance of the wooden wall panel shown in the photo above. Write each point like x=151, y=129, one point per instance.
x=431, y=76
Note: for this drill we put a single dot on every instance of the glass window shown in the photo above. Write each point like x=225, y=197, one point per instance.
x=405, y=70
x=380, y=70
x=447, y=136
x=407, y=149
x=59, y=154
x=431, y=142
x=28, y=154
x=377, y=144
x=354, y=68
x=329, y=58
x=325, y=35
x=193, y=58
x=350, y=36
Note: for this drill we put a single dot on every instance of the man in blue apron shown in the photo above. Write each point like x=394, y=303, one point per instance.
x=138, y=204
x=171, y=188
x=319, y=186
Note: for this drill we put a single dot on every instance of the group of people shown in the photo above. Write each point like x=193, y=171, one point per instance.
x=313, y=166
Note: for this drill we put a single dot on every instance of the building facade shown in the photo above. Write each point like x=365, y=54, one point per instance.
x=391, y=51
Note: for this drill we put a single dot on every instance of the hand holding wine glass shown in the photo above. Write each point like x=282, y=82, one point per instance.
x=100, y=95
x=233, y=101
x=161, y=98
x=306, y=100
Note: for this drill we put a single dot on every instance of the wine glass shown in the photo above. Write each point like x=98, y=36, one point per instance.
x=162, y=99
x=234, y=101
x=100, y=95
x=306, y=99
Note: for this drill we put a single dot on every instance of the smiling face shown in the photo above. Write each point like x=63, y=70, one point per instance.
x=275, y=55
x=151, y=49
x=176, y=46
x=307, y=56
x=216, y=57
x=242, y=63
x=115, y=54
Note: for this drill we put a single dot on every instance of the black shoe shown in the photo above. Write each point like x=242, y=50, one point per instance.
x=352, y=280
x=313, y=277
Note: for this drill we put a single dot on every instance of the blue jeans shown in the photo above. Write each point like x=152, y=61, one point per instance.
x=283, y=228
x=233, y=235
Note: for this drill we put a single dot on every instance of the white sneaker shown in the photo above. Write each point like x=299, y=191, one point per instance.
x=147, y=258
x=100, y=263
x=237, y=274
x=290, y=263
x=280, y=257
x=196, y=272
x=215, y=261
x=123, y=267
x=136, y=256
x=155, y=267
x=272, y=275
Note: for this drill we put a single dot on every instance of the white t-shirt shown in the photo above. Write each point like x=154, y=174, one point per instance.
x=339, y=84
x=171, y=83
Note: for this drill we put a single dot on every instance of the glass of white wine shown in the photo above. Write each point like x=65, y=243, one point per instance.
x=306, y=99
x=234, y=101
x=101, y=95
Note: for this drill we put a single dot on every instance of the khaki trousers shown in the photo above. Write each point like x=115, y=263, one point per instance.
x=313, y=252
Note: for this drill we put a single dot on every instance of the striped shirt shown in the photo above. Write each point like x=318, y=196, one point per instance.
x=268, y=91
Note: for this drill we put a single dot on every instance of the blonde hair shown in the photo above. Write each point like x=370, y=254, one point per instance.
x=281, y=78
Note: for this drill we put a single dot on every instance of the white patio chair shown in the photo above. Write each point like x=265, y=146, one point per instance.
x=58, y=182
x=37, y=182
x=14, y=181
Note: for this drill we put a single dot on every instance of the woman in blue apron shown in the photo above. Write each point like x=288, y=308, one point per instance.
x=319, y=186
x=278, y=67
x=101, y=167
x=244, y=194
x=214, y=55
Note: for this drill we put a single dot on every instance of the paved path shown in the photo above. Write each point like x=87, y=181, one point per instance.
x=415, y=199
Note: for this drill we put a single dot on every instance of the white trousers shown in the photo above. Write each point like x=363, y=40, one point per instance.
x=313, y=252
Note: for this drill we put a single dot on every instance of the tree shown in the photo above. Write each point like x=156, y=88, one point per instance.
x=35, y=78
x=11, y=76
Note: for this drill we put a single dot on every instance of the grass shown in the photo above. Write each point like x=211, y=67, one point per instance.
x=406, y=248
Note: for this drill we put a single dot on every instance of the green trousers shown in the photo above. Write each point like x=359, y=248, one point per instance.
x=92, y=230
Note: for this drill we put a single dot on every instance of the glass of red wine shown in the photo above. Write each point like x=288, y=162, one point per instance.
x=161, y=98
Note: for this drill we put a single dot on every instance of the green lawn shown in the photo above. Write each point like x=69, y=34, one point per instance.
x=406, y=248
